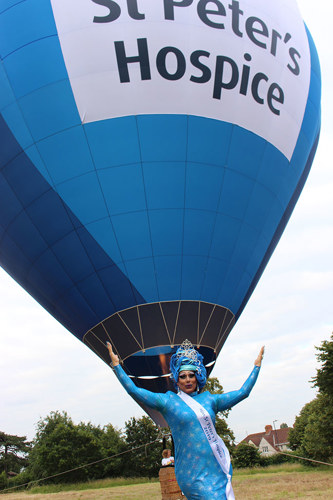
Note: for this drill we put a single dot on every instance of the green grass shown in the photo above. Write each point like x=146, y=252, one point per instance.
x=276, y=482
x=278, y=469
x=91, y=485
x=273, y=469
x=249, y=483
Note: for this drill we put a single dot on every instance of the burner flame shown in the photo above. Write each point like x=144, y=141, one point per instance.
x=164, y=364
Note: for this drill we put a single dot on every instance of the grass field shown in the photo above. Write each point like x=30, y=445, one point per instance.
x=272, y=483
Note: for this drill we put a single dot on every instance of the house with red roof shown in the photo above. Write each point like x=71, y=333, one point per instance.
x=271, y=441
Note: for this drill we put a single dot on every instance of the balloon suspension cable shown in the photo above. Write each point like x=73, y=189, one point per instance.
x=158, y=439
x=303, y=458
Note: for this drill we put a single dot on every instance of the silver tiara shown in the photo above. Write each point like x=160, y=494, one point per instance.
x=187, y=350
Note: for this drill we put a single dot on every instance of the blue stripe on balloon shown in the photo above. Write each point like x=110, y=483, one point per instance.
x=42, y=63
x=48, y=251
x=23, y=23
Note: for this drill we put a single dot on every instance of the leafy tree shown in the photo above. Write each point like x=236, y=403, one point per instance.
x=296, y=434
x=214, y=387
x=13, y=452
x=284, y=426
x=3, y=480
x=324, y=379
x=21, y=479
x=146, y=461
x=224, y=431
x=312, y=435
x=60, y=446
x=245, y=455
x=112, y=443
x=318, y=435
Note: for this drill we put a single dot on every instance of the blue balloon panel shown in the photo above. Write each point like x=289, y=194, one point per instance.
x=144, y=229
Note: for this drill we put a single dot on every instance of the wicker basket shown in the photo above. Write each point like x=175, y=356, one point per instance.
x=169, y=487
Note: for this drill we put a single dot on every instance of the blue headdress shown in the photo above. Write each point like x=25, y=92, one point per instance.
x=187, y=358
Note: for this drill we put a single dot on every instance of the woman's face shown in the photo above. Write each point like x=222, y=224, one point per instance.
x=187, y=382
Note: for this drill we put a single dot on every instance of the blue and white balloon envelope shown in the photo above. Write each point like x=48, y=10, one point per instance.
x=151, y=155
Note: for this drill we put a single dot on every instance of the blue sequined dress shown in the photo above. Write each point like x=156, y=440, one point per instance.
x=197, y=471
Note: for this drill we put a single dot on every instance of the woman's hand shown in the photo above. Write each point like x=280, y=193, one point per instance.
x=113, y=356
x=260, y=356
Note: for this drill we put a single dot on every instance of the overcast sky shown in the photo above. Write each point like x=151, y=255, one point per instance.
x=44, y=368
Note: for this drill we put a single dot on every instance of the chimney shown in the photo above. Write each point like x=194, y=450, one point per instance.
x=268, y=429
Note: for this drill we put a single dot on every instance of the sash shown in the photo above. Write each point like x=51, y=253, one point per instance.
x=219, y=449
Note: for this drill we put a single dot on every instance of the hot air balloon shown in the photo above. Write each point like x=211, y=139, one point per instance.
x=151, y=156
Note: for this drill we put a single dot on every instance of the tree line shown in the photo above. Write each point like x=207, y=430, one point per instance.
x=60, y=445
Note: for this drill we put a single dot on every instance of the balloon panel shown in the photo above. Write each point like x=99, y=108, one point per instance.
x=111, y=218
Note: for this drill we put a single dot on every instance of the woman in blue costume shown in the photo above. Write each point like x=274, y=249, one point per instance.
x=202, y=463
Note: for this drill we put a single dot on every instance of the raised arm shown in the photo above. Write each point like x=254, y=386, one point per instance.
x=151, y=399
x=229, y=399
x=258, y=360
